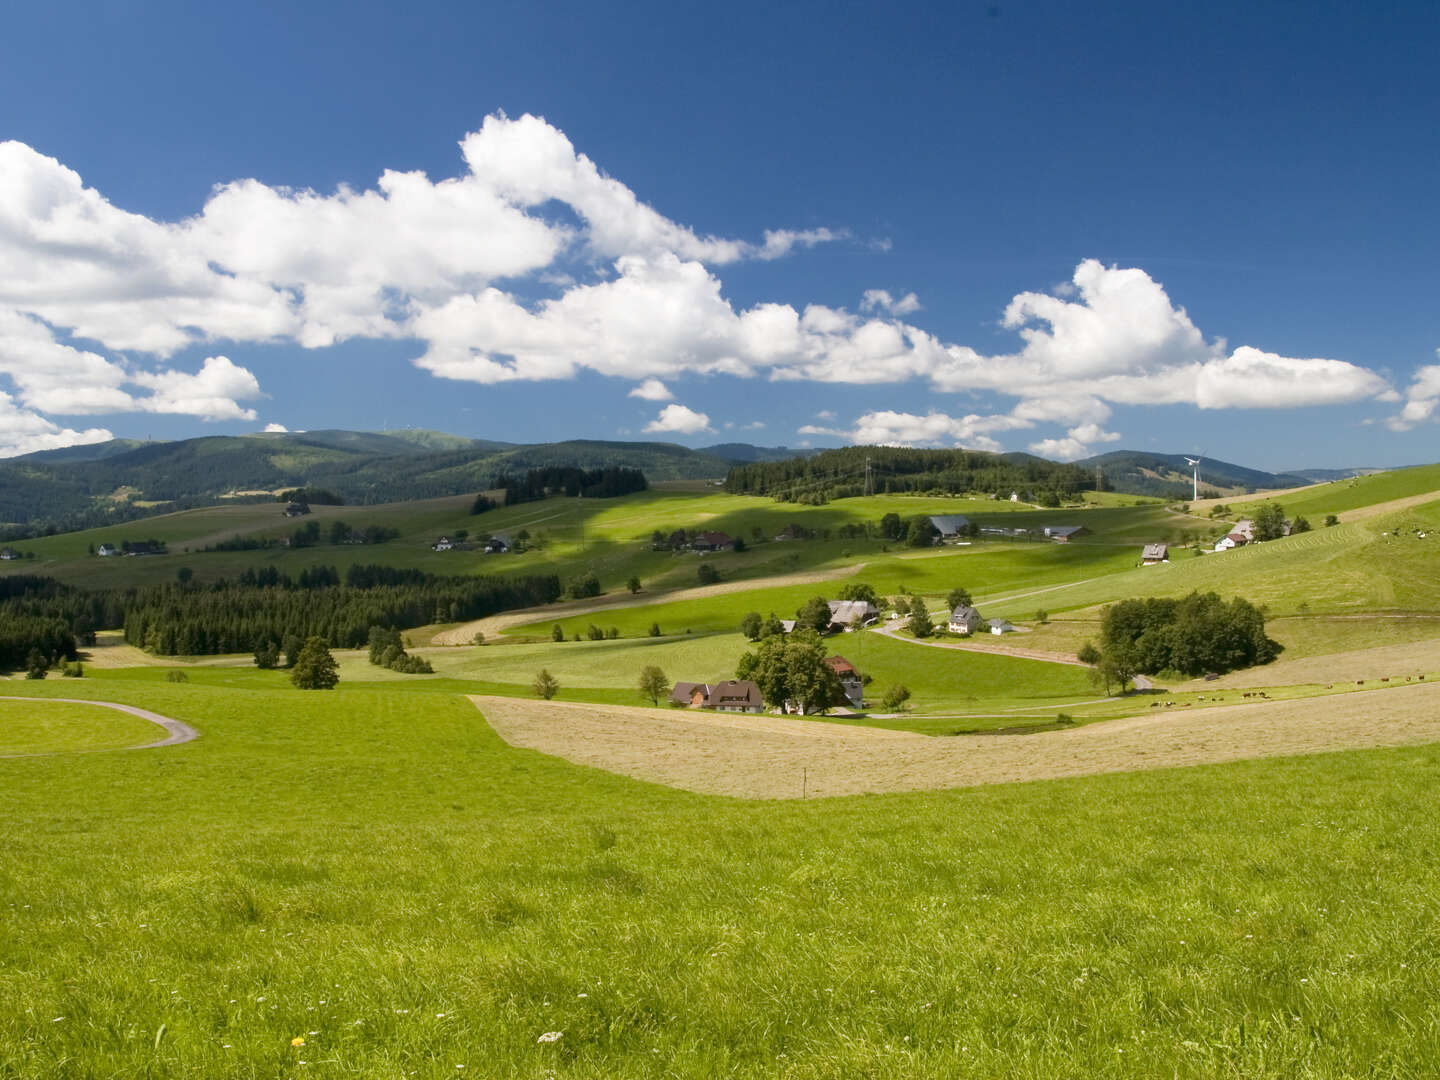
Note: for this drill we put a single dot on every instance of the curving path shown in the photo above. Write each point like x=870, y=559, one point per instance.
x=176, y=731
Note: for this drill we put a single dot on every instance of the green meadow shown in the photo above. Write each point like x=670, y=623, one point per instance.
x=373, y=872
x=29, y=727
x=1342, y=495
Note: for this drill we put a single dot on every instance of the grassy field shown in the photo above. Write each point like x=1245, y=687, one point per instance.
x=50, y=727
x=940, y=679
x=1341, y=495
x=373, y=872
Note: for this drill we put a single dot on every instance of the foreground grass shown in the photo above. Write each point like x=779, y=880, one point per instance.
x=372, y=871
x=46, y=727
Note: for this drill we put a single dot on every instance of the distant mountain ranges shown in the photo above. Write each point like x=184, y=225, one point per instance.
x=84, y=486
x=102, y=483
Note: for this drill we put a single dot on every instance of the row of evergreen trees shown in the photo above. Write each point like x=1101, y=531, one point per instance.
x=843, y=473
x=536, y=484
x=174, y=620
x=191, y=620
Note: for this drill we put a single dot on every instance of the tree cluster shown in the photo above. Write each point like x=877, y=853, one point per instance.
x=790, y=670
x=311, y=496
x=605, y=483
x=841, y=473
x=1197, y=634
x=387, y=650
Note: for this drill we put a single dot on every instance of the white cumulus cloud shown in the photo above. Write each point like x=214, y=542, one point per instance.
x=531, y=263
x=1421, y=399
x=273, y=428
x=652, y=390
x=679, y=419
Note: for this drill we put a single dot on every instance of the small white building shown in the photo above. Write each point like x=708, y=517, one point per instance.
x=443, y=544
x=107, y=550
x=1001, y=626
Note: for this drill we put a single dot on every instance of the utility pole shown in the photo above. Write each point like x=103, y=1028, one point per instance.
x=867, y=477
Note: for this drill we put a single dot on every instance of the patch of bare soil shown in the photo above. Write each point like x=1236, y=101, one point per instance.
x=494, y=624
x=771, y=757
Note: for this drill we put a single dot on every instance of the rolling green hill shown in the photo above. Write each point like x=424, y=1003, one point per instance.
x=1169, y=475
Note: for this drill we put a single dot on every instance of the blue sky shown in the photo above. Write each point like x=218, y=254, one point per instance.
x=1066, y=228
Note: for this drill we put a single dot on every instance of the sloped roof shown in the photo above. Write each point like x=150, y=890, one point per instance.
x=963, y=614
x=841, y=666
x=684, y=691
x=950, y=524
x=735, y=692
x=1154, y=551
x=851, y=612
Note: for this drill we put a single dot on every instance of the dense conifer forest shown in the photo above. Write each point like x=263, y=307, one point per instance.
x=260, y=607
x=839, y=474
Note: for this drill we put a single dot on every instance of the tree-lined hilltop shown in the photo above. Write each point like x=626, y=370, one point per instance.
x=860, y=470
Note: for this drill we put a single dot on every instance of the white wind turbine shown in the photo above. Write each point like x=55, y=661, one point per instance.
x=1194, y=463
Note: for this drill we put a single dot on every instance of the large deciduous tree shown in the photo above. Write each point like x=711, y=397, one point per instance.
x=791, y=671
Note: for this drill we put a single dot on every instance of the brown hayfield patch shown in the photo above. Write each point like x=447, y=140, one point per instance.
x=1394, y=662
x=762, y=757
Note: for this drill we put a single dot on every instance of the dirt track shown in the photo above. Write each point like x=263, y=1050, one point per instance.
x=762, y=757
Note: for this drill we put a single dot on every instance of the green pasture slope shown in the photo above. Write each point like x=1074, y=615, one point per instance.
x=373, y=871
x=1339, y=496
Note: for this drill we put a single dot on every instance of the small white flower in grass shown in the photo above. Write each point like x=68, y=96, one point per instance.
x=550, y=1036
x=582, y=995
x=57, y=1019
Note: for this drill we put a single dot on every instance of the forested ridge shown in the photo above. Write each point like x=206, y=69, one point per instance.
x=839, y=474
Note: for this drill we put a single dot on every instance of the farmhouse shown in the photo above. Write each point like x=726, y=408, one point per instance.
x=497, y=545
x=1245, y=528
x=1233, y=540
x=736, y=695
x=1063, y=534
x=965, y=620
x=9, y=553
x=713, y=541
x=851, y=614
x=443, y=544
x=791, y=532
x=296, y=509
x=949, y=526
x=729, y=696
x=850, y=679
x=1154, y=553
x=107, y=550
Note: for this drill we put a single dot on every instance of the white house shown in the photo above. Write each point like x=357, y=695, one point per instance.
x=1233, y=540
x=107, y=549
x=443, y=544
x=965, y=620
x=1001, y=626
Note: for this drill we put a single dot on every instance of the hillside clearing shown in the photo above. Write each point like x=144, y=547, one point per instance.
x=769, y=757
x=495, y=624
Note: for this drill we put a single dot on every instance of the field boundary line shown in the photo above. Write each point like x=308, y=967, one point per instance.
x=176, y=731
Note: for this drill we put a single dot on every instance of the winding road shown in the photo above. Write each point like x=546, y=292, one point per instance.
x=176, y=731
